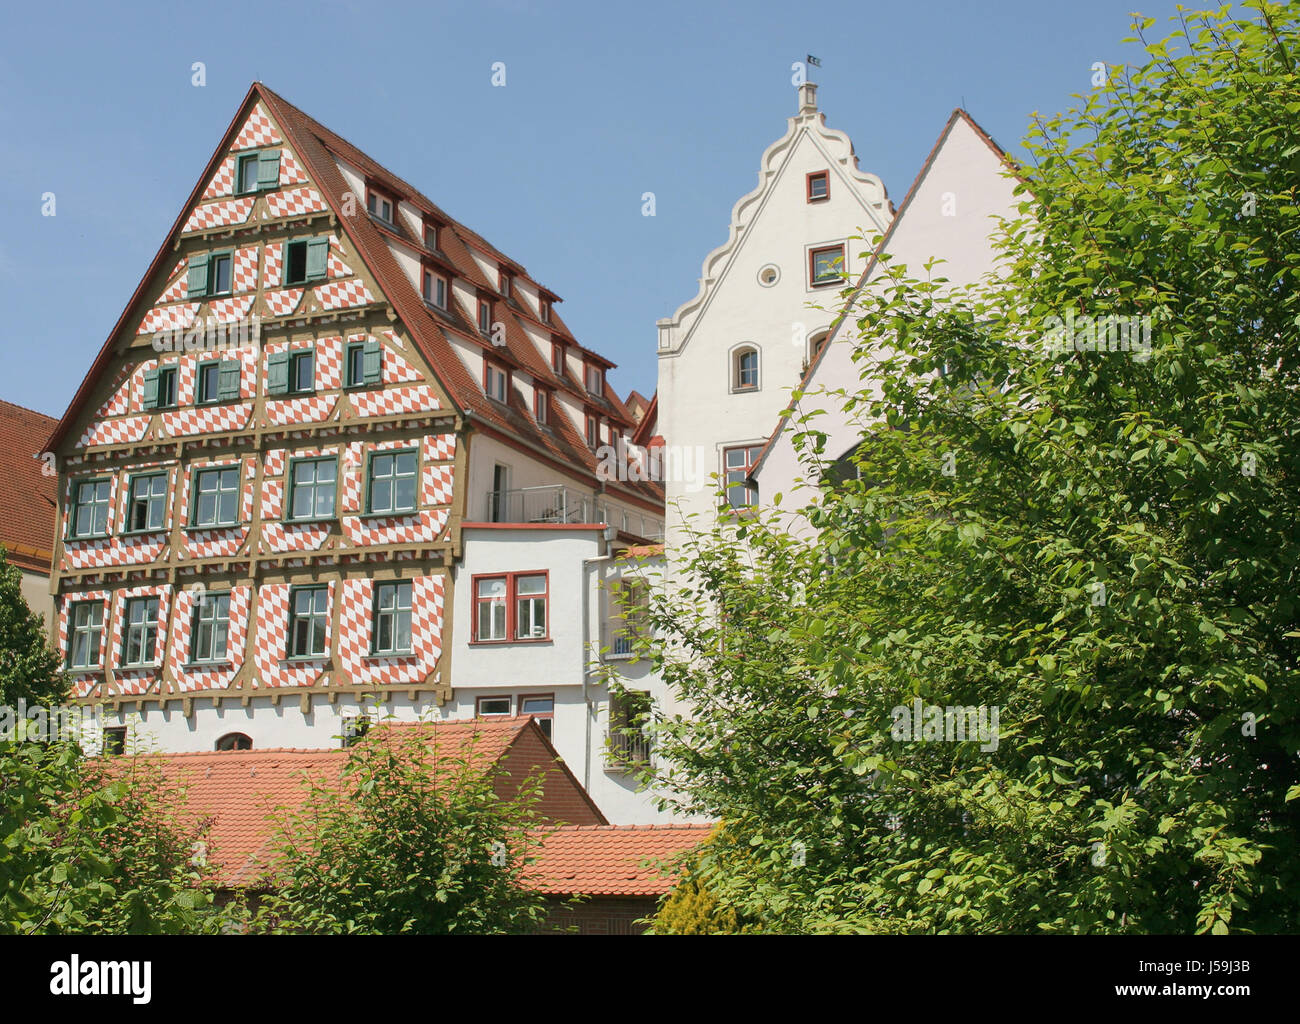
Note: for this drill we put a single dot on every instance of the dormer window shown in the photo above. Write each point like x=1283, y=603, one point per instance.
x=593, y=431
x=819, y=186
x=595, y=380
x=494, y=382
x=484, y=316
x=434, y=288
x=544, y=309
x=430, y=236
x=506, y=282
x=541, y=405
x=379, y=206
x=557, y=356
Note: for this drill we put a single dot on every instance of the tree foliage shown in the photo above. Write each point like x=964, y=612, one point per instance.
x=29, y=668
x=411, y=841
x=1101, y=544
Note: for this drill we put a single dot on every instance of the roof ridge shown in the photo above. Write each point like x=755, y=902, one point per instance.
x=25, y=408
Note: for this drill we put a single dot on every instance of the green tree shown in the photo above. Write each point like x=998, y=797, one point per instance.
x=411, y=840
x=95, y=847
x=1101, y=545
x=29, y=668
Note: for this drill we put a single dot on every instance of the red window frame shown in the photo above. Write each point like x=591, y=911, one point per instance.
x=541, y=716
x=813, y=176
x=380, y=194
x=590, y=372
x=544, y=309
x=541, y=404
x=432, y=298
x=431, y=236
x=512, y=606
x=488, y=368
x=752, y=451
x=505, y=283
x=812, y=265
x=557, y=357
x=484, y=316
x=593, y=431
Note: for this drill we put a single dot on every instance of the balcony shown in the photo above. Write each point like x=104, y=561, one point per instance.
x=627, y=750
x=555, y=503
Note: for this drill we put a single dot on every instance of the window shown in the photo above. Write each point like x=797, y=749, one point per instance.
x=505, y=283
x=257, y=171
x=148, y=502
x=208, y=275
x=89, y=516
x=544, y=309
x=431, y=236
x=484, y=316
x=354, y=728
x=629, y=717
x=363, y=363
x=306, y=260
x=489, y=706
x=530, y=606
x=234, y=741
x=140, y=635
x=435, y=289
x=85, y=633
x=826, y=266
x=593, y=431
x=216, y=497
x=390, y=631
x=595, y=380
x=207, y=382
x=541, y=405
x=312, y=485
x=307, y=618
x=494, y=382
x=542, y=709
x=817, y=343
x=302, y=371
x=160, y=387
x=819, y=186
x=500, y=494
x=380, y=206
x=744, y=370
x=557, y=357
x=210, y=629
x=114, y=742
x=511, y=606
x=630, y=609
x=392, y=481
x=739, y=463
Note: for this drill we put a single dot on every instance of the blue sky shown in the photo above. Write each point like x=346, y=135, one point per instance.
x=602, y=102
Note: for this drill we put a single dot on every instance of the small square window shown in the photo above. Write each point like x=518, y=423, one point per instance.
x=380, y=206
x=489, y=706
x=247, y=176
x=302, y=372
x=826, y=266
x=819, y=186
x=114, y=742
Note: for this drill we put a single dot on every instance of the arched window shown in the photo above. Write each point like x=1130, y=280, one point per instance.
x=234, y=741
x=744, y=368
x=816, y=343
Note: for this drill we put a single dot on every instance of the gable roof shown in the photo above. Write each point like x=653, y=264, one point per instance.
x=612, y=860
x=241, y=793
x=319, y=149
x=882, y=247
x=28, y=498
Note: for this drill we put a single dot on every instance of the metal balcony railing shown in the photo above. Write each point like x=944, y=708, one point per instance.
x=555, y=503
x=628, y=748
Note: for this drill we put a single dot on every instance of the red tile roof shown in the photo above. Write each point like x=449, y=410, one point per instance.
x=27, y=495
x=612, y=860
x=241, y=793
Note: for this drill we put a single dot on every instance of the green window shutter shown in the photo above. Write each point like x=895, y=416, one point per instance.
x=277, y=367
x=268, y=168
x=198, y=279
x=318, y=250
x=372, y=361
x=151, y=389
x=228, y=380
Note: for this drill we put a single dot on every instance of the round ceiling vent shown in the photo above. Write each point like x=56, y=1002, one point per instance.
x=769, y=275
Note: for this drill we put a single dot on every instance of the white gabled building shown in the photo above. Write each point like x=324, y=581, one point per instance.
x=951, y=213
x=729, y=357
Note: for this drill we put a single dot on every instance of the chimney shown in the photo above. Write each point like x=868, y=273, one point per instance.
x=807, y=99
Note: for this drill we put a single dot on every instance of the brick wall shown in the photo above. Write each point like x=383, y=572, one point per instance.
x=599, y=915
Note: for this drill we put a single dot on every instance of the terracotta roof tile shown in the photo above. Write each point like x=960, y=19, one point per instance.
x=27, y=495
x=612, y=860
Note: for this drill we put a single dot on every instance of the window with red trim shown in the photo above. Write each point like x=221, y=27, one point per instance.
x=819, y=186
x=541, y=405
x=739, y=464
x=380, y=205
x=430, y=235
x=435, y=289
x=487, y=707
x=495, y=381
x=484, y=315
x=541, y=708
x=511, y=606
x=593, y=431
x=544, y=309
x=595, y=380
x=826, y=265
x=506, y=283
x=557, y=356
